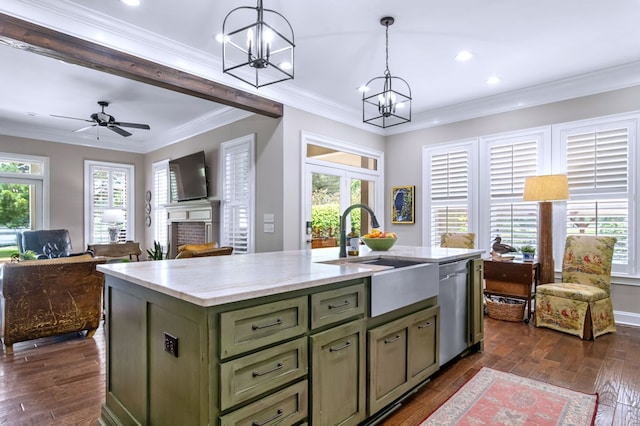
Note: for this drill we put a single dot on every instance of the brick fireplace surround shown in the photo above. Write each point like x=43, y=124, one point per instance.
x=193, y=222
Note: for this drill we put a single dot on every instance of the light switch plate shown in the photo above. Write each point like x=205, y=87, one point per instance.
x=269, y=218
x=269, y=227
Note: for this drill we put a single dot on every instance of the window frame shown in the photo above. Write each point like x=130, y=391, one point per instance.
x=89, y=166
x=250, y=142
x=428, y=152
x=159, y=213
x=40, y=180
x=560, y=132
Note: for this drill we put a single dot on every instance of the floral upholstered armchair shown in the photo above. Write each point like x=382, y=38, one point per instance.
x=581, y=303
x=458, y=240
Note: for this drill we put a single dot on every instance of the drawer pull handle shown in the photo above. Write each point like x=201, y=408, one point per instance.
x=345, y=303
x=339, y=348
x=262, y=373
x=278, y=414
x=259, y=327
x=394, y=339
x=426, y=325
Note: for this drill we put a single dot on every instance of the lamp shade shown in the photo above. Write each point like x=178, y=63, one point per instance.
x=546, y=188
x=113, y=216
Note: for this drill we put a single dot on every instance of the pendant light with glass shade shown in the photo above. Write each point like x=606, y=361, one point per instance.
x=390, y=104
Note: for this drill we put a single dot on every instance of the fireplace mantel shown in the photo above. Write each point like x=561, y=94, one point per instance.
x=197, y=211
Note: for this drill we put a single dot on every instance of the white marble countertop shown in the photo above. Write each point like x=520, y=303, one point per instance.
x=212, y=281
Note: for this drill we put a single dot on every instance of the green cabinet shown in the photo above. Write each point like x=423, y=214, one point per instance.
x=476, y=303
x=338, y=375
x=402, y=353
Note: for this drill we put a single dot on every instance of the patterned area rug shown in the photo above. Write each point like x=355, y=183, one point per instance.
x=495, y=398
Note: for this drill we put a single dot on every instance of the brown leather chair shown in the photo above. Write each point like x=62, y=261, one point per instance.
x=41, y=298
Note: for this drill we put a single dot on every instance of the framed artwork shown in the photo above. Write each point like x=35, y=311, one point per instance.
x=402, y=206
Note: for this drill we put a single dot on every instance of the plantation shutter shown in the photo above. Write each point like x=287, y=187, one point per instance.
x=110, y=187
x=238, y=181
x=598, y=174
x=510, y=218
x=449, y=198
x=159, y=198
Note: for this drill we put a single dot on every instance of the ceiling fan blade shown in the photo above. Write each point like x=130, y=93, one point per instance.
x=119, y=131
x=72, y=118
x=132, y=125
x=84, y=128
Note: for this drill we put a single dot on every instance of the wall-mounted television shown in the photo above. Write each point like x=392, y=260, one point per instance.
x=188, y=177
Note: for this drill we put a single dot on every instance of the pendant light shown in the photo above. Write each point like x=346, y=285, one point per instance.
x=390, y=103
x=257, y=52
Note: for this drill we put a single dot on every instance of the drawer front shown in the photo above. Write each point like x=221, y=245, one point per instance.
x=423, y=344
x=252, y=375
x=509, y=272
x=337, y=305
x=287, y=407
x=388, y=363
x=251, y=328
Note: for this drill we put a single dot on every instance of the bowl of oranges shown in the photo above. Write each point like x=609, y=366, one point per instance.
x=379, y=241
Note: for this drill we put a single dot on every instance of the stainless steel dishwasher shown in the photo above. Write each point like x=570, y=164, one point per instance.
x=452, y=298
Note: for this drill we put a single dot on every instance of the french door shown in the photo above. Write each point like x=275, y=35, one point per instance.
x=329, y=191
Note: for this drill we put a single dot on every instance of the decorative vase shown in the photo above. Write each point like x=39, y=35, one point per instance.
x=528, y=256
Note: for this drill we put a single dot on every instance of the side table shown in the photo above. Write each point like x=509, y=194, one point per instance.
x=129, y=248
x=515, y=279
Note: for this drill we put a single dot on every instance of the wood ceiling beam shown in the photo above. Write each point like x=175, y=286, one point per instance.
x=48, y=42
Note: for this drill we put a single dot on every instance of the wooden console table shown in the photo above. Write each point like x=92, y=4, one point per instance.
x=129, y=248
x=514, y=279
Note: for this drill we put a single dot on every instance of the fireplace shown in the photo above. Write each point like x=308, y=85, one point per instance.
x=193, y=222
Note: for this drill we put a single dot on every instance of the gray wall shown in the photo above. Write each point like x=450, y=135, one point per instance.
x=404, y=157
x=269, y=169
x=66, y=163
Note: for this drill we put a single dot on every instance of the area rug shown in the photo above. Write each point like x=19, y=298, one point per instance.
x=496, y=398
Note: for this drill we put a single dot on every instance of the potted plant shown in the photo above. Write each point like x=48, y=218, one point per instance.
x=528, y=252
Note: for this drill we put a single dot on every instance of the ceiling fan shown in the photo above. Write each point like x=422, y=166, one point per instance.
x=103, y=119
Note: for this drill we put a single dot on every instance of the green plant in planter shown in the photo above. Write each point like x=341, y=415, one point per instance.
x=156, y=253
x=528, y=249
x=28, y=255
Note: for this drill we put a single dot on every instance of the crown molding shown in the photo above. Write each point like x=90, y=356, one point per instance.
x=85, y=23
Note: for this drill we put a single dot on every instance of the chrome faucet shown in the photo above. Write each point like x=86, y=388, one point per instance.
x=343, y=220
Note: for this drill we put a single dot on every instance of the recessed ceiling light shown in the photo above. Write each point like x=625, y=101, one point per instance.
x=131, y=2
x=464, y=55
x=494, y=80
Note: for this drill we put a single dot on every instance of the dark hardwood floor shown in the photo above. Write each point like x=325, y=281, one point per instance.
x=60, y=381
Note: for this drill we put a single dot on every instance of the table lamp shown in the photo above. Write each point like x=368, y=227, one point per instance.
x=115, y=217
x=546, y=189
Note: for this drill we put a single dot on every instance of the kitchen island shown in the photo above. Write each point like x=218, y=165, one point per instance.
x=283, y=337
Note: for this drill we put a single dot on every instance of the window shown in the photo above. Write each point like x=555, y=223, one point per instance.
x=596, y=155
x=237, y=161
x=24, y=202
x=510, y=162
x=336, y=175
x=159, y=198
x=108, y=186
x=449, y=194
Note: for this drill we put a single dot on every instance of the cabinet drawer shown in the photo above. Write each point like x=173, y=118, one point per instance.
x=388, y=359
x=336, y=305
x=338, y=367
x=283, y=408
x=423, y=344
x=251, y=328
x=249, y=376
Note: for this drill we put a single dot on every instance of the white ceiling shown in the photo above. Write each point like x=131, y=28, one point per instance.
x=543, y=50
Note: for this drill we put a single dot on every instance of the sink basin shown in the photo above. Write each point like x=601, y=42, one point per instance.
x=399, y=283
